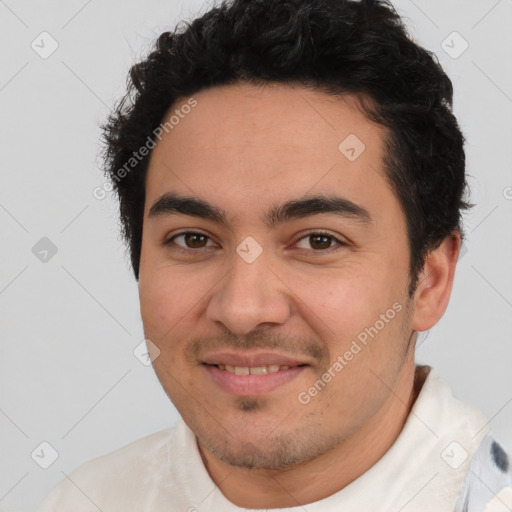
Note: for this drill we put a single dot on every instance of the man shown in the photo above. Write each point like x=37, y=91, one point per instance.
x=291, y=181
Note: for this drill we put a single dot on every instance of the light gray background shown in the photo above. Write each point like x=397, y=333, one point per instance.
x=69, y=326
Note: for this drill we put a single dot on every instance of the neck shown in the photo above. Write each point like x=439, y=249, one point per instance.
x=328, y=473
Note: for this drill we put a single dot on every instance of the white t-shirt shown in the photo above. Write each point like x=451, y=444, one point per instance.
x=444, y=460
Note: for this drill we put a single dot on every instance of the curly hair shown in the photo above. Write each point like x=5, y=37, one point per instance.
x=333, y=46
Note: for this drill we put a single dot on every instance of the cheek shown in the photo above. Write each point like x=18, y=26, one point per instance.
x=347, y=308
x=341, y=300
x=165, y=300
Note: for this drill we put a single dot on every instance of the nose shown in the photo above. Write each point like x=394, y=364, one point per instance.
x=250, y=296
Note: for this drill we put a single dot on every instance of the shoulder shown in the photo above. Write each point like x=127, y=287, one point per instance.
x=114, y=480
x=489, y=479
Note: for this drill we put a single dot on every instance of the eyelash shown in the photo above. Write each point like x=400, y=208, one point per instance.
x=319, y=252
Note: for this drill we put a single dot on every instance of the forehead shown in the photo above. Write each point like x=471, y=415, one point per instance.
x=245, y=144
x=268, y=115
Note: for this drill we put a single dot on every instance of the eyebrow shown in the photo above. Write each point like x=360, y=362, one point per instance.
x=172, y=204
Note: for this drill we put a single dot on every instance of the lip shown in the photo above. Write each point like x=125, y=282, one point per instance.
x=252, y=385
x=251, y=359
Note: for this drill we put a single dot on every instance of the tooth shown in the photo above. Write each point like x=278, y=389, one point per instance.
x=253, y=370
x=258, y=370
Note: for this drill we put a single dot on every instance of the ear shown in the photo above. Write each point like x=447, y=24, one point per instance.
x=435, y=283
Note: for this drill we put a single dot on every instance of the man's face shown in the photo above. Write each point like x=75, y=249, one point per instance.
x=319, y=318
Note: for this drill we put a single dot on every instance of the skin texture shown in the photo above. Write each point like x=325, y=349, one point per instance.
x=246, y=149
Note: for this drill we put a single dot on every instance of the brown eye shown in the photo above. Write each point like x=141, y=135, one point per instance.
x=319, y=242
x=189, y=240
x=195, y=240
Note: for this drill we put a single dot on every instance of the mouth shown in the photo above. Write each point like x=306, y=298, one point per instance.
x=252, y=376
x=254, y=370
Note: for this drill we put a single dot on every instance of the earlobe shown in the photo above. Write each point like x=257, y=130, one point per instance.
x=435, y=283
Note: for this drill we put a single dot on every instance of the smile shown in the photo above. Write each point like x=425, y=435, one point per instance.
x=252, y=370
x=246, y=381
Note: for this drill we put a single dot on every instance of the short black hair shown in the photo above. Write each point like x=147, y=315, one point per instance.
x=333, y=46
